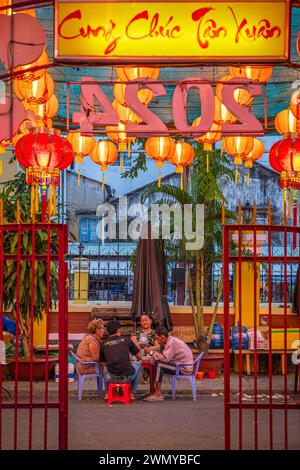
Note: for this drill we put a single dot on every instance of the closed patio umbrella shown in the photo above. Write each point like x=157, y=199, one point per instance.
x=150, y=283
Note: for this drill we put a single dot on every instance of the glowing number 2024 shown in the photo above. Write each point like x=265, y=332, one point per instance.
x=153, y=125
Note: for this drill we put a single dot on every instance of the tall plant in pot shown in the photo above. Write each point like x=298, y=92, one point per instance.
x=28, y=302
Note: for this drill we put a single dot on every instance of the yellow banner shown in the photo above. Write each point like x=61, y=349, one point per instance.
x=177, y=31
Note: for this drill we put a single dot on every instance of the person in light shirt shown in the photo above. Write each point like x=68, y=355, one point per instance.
x=174, y=351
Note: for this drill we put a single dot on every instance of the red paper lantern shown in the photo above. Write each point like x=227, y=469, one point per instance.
x=284, y=157
x=43, y=152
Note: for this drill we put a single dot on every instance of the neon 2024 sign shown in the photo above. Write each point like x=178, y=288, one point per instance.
x=151, y=124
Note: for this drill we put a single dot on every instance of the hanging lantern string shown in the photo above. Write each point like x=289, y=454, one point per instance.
x=266, y=106
x=159, y=179
x=103, y=182
x=290, y=200
x=1, y=212
x=284, y=206
x=248, y=178
x=18, y=214
x=78, y=178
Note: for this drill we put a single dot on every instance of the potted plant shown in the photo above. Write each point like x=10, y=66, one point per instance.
x=15, y=198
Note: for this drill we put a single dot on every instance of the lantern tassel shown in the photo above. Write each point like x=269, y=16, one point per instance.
x=32, y=202
x=207, y=162
x=181, y=182
x=36, y=198
x=129, y=149
x=54, y=200
x=290, y=199
x=78, y=178
x=50, y=207
x=248, y=179
x=121, y=163
x=1, y=167
x=236, y=176
x=18, y=215
x=295, y=220
x=159, y=179
x=103, y=182
x=284, y=207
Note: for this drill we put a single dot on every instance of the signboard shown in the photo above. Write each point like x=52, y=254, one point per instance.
x=172, y=31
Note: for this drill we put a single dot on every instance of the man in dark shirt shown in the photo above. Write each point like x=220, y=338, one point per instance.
x=115, y=353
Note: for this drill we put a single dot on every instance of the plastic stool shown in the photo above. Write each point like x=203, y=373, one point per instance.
x=125, y=397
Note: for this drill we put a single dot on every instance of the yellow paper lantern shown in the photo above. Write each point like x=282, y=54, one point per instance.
x=126, y=74
x=35, y=92
x=222, y=115
x=286, y=123
x=255, y=154
x=144, y=95
x=211, y=137
x=295, y=104
x=82, y=145
x=260, y=73
x=242, y=96
x=104, y=153
x=30, y=76
x=160, y=149
x=238, y=147
x=125, y=114
x=183, y=156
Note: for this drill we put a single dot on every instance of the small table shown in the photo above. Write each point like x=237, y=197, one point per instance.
x=149, y=366
x=247, y=353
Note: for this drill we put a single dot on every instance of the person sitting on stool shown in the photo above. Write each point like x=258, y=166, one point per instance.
x=115, y=352
x=175, y=351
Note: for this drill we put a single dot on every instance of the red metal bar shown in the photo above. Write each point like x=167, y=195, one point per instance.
x=226, y=244
x=270, y=291
x=17, y=337
x=32, y=308
x=285, y=340
x=63, y=343
x=47, y=313
x=265, y=406
x=240, y=338
x=255, y=340
x=1, y=318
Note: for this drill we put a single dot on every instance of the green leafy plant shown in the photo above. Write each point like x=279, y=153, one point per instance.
x=201, y=187
x=28, y=297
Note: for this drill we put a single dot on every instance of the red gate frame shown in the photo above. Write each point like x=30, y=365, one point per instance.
x=62, y=404
x=269, y=259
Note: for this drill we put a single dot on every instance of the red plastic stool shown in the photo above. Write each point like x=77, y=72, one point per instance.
x=125, y=397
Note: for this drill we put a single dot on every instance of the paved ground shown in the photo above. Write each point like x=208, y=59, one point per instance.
x=182, y=424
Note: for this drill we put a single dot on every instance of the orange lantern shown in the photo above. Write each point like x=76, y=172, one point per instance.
x=222, y=115
x=144, y=95
x=126, y=74
x=104, y=153
x=238, y=147
x=209, y=138
x=4, y=3
x=118, y=135
x=183, y=156
x=82, y=146
x=258, y=74
x=45, y=110
x=286, y=123
x=35, y=92
x=160, y=149
x=30, y=76
x=295, y=104
x=125, y=114
x=242, y=96
x=255, y=154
